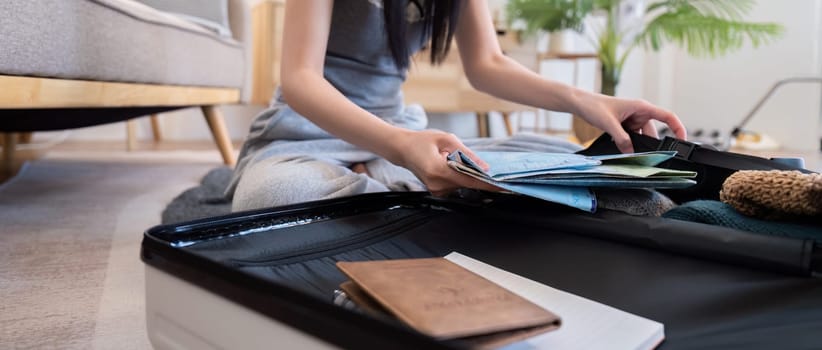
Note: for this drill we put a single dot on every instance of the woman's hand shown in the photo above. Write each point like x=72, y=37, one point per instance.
x=613, y=114
x=425, y=154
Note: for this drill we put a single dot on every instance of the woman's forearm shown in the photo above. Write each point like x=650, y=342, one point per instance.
x=490, y=71
x=505, y=78
x=310, y=95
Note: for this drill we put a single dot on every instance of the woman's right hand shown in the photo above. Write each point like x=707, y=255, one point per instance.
x=425, y=153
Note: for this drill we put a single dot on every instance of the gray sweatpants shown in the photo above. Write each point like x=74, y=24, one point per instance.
x=300, y=171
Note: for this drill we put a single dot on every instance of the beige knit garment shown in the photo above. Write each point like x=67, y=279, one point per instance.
x=774, y=194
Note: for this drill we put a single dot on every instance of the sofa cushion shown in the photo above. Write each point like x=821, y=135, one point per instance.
x=113, y=40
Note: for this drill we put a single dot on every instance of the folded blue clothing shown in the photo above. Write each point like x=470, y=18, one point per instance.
x=643, y=158
x=574, y=196
x=610, y=182
x=531, y=163
x=509, y=165
x=568, y=178
x=721, y=214
x=557, y=170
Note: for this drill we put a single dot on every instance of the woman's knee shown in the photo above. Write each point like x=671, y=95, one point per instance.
x=281, y=181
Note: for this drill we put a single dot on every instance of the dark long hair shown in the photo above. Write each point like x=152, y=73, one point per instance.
x=439, y=22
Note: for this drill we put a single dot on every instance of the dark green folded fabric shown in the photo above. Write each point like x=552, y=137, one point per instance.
x=721, y=214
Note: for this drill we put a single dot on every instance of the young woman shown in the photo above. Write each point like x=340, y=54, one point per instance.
x=337, y=125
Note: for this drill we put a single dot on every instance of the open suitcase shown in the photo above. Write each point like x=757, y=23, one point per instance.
x=265, y=279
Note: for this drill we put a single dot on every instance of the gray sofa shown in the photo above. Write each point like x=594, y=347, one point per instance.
x=75, y=63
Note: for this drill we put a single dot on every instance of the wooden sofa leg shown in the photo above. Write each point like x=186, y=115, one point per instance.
x=131, y=135
x=9, y=144
x=220, y=133
x=506, y=117
x=25, y=137
x=482, y=124
x=155, y=128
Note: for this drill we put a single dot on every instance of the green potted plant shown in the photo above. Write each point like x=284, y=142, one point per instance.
x=702, y=27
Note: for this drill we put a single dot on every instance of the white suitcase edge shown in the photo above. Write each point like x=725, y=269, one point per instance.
x=180, y=315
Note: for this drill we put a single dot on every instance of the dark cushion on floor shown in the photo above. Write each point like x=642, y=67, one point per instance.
x=205, y=200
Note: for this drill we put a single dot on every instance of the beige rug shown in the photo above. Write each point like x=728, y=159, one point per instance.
x=70, y=232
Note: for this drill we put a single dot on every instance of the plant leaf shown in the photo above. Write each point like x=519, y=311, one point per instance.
x=730, y=9
x=704, y=34
x=550, y=15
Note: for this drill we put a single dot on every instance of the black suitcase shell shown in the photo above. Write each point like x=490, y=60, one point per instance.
x=712, y=287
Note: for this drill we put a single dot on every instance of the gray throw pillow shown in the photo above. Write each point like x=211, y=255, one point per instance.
x=211, y=14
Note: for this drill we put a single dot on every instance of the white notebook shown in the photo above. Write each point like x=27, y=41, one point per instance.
x=586, y=324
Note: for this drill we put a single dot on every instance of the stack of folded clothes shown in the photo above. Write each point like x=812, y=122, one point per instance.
x=568, y=178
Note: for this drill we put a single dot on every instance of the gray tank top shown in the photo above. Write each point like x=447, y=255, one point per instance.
x=359, y=64
x=358, y=60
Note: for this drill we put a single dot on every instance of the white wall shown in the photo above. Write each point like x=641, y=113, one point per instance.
x=718, y=93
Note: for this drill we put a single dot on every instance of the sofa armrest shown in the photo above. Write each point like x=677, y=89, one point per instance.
x=257, y=24
x=212, y=15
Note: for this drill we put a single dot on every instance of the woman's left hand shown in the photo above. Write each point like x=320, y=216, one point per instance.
x=614, y=115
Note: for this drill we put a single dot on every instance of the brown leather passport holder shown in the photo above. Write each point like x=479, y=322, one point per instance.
x=445, y=301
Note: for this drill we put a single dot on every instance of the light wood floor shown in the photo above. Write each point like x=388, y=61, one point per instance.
x=108, y=148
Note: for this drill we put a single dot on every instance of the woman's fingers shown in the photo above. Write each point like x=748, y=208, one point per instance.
x=453, y=143
x=464, y=181
x=470, y=182
x=620, y=137
x=474, y=157
x=452, y=179
x=673, y=122
x=649, y=129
